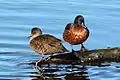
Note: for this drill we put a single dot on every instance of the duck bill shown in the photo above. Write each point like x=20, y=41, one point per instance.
x=29, y=36
x=84, y=24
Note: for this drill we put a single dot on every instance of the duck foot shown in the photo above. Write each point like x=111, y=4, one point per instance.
x=83, y=49
x=73, y=51
x=37, y=63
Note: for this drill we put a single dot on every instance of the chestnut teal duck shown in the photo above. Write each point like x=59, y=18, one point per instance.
x=76, y=33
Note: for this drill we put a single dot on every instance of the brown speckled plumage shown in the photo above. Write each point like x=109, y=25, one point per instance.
x=46, y=44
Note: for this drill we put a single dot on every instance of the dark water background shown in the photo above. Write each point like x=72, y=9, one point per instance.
x=17, y=17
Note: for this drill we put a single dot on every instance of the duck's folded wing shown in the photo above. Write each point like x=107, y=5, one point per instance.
x=51, y=38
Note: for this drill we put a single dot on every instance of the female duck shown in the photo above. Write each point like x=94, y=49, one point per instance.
x=45, y=44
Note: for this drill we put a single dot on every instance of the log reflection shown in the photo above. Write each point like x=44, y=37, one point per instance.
x=62, y=72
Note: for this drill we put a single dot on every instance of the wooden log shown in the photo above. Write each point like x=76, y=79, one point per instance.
x=91, y=57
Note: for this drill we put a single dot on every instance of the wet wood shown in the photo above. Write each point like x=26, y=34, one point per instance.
x=88, y=57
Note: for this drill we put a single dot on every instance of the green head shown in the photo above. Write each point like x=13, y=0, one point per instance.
x=79, y=20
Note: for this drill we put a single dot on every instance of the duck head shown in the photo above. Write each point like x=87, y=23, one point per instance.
x=35, y=32
x=79, y=20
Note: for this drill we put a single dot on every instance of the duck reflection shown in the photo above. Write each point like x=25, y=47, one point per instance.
x=62, y=72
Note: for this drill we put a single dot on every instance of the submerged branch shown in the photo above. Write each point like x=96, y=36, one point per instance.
x=88, y=57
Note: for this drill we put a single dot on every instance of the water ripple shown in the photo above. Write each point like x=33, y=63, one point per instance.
x=17, y=18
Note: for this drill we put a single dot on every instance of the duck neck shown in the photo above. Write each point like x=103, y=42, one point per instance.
x=34, y=36
x=79, y=25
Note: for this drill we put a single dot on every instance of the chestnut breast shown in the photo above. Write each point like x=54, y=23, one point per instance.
x=75, y=34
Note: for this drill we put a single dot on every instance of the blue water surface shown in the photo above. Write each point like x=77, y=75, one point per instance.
x=18, y=17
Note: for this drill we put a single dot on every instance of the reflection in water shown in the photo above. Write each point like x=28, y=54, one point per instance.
x=19, y=16
x=62, y=72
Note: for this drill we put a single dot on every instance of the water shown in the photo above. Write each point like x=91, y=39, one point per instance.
x=17, y=17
